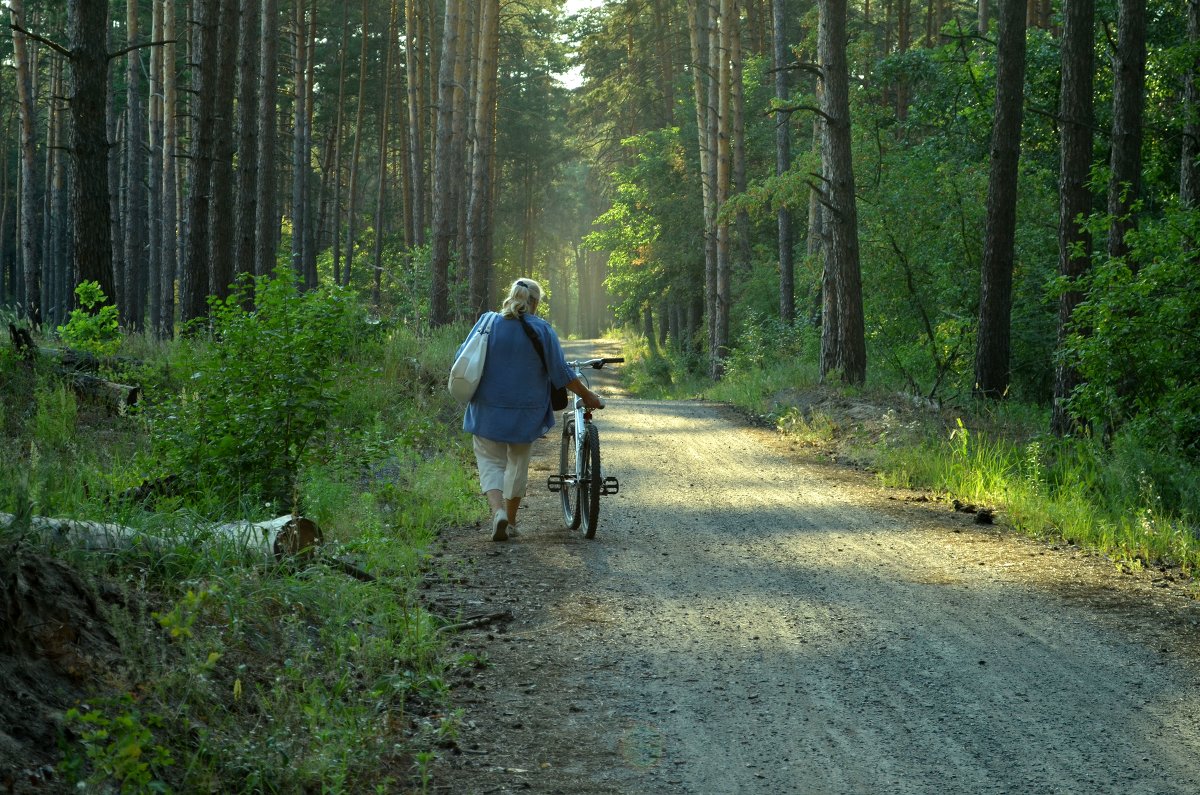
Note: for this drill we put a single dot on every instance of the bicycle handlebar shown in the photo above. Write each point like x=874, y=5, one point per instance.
x=595, y=364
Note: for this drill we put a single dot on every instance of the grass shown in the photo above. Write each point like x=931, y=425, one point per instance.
x=1113, y=496
x=241, y=676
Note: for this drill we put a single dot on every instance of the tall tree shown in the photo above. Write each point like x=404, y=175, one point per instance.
x=352, y=201
x=31, y=259
x=444, y=219
x=300, y=155
x=248, y=78
x=194, y=276
x=266, y=224
x=338, y=138
x=416, y=67
x=133, y=311
x=1189, y=157
x=1129, y=97
x=381, y=178
x=90, y=209
x=703, y=48
x=170, y=174
x=726, y=21
x=479, y=216
x=994, y=333
x=1074, y=196
x=1189, y=167
x=783, y=162
x=154, y=170
x=843, y=338
x=222, y=227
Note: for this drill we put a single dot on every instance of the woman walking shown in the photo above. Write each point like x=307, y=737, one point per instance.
x=511, y=406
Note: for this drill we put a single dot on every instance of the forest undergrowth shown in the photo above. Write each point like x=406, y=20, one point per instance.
x=1116, y=494
x=206, y=667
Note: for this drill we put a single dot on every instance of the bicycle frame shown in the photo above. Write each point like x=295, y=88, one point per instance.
x=581, y=417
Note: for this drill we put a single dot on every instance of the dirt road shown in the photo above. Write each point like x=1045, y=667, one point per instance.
x=751, y=620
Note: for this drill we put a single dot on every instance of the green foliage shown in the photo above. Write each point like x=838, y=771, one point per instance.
x=54, y=417
x=1136, y=336
x=260, y=390
x=93, y=326
x=762, y=341
x=119, y=744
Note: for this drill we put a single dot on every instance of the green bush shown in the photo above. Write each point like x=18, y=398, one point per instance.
x=1136, y=337
x=93, y=327
x=264, y=385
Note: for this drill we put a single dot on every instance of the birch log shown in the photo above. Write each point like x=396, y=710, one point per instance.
x=282, y=537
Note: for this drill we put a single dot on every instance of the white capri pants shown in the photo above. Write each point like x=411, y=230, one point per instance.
x=503, y=466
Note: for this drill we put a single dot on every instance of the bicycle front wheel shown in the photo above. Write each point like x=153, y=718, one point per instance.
x=590, y=482
x=568, y=477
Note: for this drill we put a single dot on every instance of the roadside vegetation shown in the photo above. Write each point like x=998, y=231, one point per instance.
x=217, y=669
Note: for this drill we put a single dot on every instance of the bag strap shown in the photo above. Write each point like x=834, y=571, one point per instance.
x=537, y=343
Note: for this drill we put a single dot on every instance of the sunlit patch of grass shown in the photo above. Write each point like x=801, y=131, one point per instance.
x=1048, y=488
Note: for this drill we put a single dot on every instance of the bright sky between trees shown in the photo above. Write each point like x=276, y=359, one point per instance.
x=574, y=77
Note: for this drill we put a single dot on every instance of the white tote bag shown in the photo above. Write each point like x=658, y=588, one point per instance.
x=468, y=367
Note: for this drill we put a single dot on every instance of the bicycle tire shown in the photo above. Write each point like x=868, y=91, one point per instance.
x=591, y=483
x=569, y=492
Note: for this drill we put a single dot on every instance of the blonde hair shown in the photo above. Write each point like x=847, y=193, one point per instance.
x=522, y=295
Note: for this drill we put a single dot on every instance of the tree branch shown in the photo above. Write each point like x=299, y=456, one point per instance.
x=126, y=50
x=58, y=48
x=789, y=109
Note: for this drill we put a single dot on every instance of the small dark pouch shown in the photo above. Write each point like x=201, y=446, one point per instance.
x=558, y=394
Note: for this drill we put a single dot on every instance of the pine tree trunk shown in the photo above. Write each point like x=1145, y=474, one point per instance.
x=135, y=180
x=848, y=354
x=248, y=80
x=479, y=223
x=115, y=131
x=27, y=206
x=993, y=337
x=1189, y=169
x=170, y=175
x=194, y=278
x=727, y=29
x=1129, y=96
x=299, y=154
x=352, y=202
x=1074, y=196
x=338, y=135
x=308, y=230
x=221, y=235
x=444, y=221
x=90, y=207
x=738, y=124
x=783, y=161
x=56, y=293
x=266, y=224
x=461, y=123
x=414, y=44
x=154, y=169
x=381, y=183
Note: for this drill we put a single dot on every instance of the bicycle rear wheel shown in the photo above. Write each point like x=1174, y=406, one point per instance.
x=590, y=483
x=569, y=491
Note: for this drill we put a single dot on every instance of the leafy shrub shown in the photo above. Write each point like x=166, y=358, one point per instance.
x=93, y=327
x=262, y=388
x=1136, y=337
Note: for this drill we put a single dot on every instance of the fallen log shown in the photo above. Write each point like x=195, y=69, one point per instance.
x=110, y=394
x=71, y=359
x=283, y=537
x=70, y=363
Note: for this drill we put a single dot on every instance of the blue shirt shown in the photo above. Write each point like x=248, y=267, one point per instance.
x=512, y=402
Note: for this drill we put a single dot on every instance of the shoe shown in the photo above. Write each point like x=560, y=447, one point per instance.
x=500, y=526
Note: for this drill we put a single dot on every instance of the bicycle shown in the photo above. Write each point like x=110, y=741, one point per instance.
x=580, y=480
